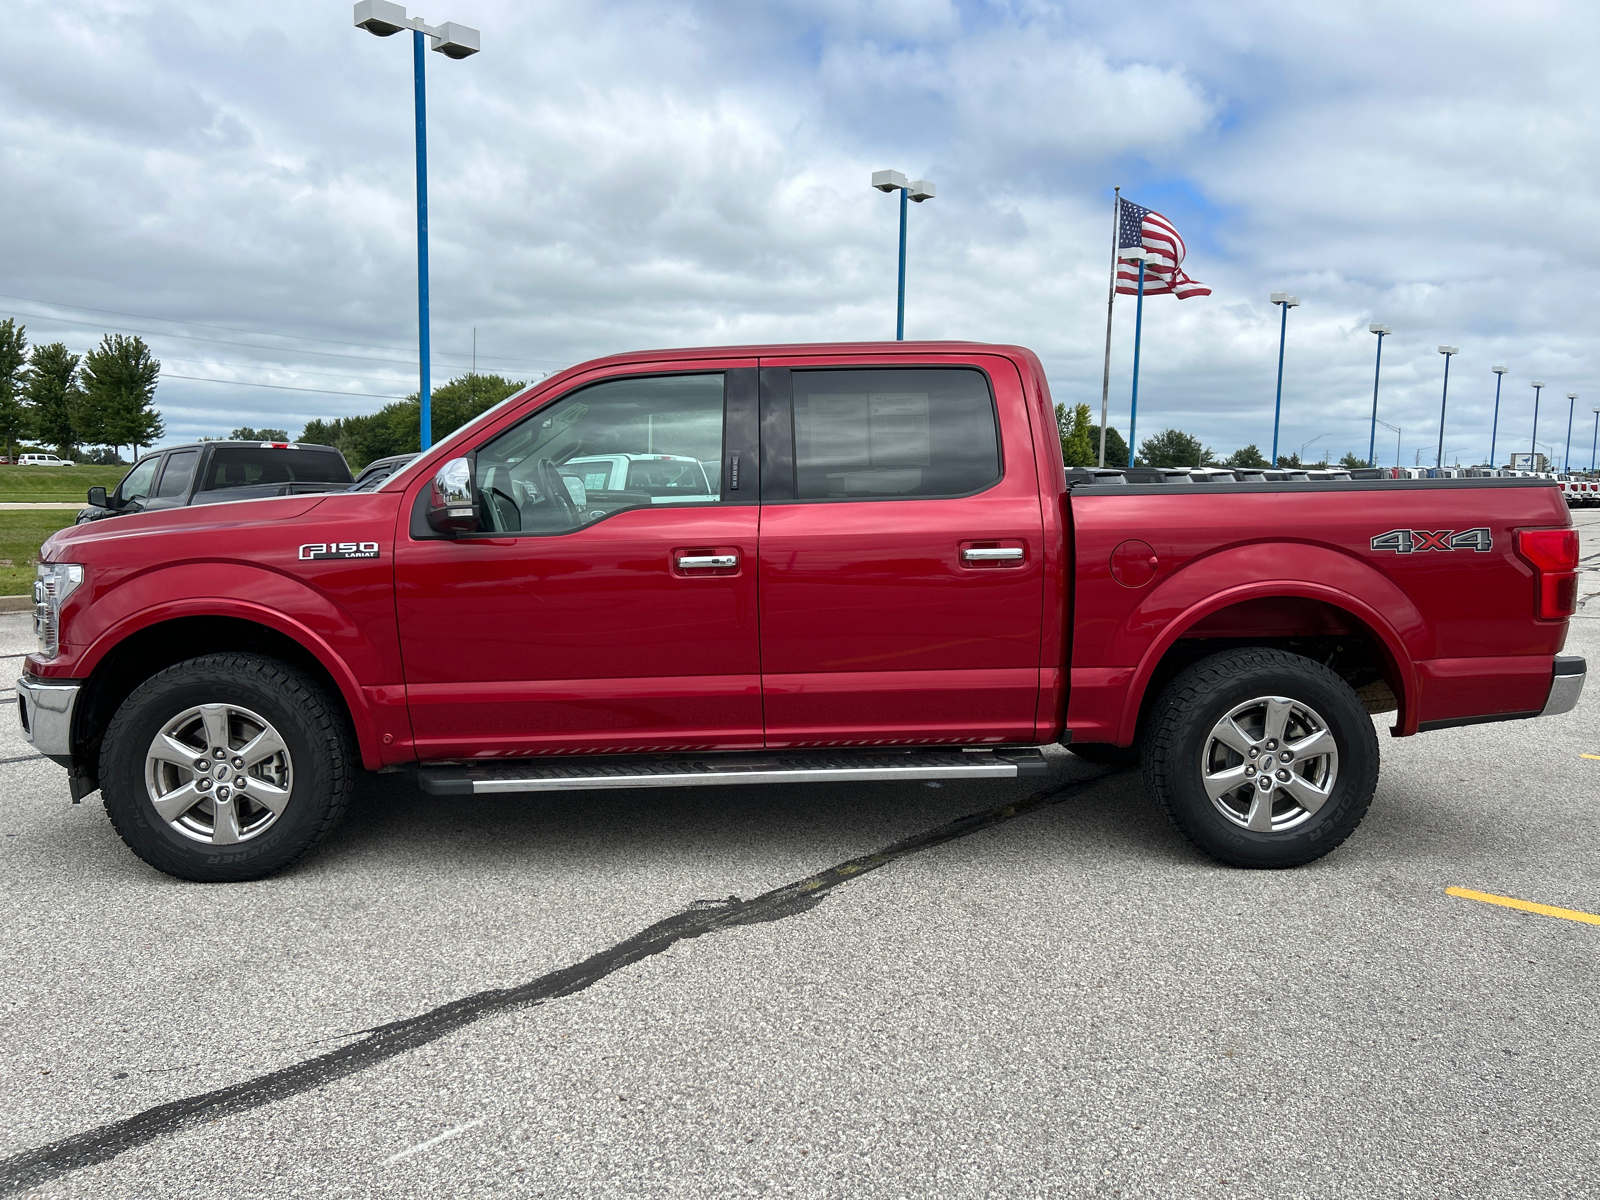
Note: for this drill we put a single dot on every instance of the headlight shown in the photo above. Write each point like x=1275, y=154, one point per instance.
x=52, y=584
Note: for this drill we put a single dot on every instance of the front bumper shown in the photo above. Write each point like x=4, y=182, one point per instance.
x=46, y=710
x=1566, y=685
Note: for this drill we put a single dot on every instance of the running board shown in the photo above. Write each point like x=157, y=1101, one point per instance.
x=572, y=774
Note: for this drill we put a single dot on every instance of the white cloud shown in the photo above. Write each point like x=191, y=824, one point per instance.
x=618, y=175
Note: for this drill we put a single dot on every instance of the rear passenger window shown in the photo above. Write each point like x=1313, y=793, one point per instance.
x=879, y=435
x=179, y=472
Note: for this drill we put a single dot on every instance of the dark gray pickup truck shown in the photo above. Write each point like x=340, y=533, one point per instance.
x=216, y=472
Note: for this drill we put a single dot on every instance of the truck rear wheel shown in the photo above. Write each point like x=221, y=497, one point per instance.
x=226, y=767
x=1261, y=758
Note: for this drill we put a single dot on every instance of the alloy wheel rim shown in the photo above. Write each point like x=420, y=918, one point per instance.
x=1269, y=764
x=219, y=774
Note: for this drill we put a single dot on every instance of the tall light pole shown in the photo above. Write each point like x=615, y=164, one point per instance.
x=1305, y=445
x=382, y=18
x=1566, y=457
x=918, y=190
x=1396, y=429
x=1499, y=378
x=1141, y=256
x=1533, y=448
x=1382, y=331
x=1288, y=302
x=1444, y=399
x=1595, y=440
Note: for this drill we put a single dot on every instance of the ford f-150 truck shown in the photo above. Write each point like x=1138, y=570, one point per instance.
x=892, y=579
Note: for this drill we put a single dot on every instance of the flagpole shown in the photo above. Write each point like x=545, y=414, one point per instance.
x=1111, y=300
x=1138, y=327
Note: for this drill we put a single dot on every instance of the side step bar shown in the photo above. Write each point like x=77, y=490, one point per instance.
x=572, y=774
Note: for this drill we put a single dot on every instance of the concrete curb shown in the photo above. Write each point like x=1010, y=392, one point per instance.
x=10, y=604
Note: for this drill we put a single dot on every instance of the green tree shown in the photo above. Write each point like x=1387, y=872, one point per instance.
x=246, y=434
x=1248, y=456
x=1290, y=461
x=1174, y=448
x=1076, y=448
x=1116, y=447
x=119, y=387
x=395, y=428
x=1350, y=461
x=15, y=418
x=52, y=391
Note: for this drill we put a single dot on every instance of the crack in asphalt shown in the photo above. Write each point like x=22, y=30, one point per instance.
x=30, y=1168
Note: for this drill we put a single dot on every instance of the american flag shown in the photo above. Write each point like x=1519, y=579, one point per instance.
x=1163, y=270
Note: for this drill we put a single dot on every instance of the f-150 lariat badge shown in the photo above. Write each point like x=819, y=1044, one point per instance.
x=1415, y=541
x=320, y=550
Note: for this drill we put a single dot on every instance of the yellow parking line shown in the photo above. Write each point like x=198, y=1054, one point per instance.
x=1547, y=910
x=1596, y=757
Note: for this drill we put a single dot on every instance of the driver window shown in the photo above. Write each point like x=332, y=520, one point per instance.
x=136, y=484
x=624, y=443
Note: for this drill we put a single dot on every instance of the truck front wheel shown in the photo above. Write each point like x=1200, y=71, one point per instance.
x=1261, y=758
x=226, y=767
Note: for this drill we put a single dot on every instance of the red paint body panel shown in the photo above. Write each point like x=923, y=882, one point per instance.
x=874, y=629
x=846, y=621
x=1216, y=551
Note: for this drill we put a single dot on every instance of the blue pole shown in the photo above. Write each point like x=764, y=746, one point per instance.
x=1138, y=329
x=900, y=308
x=1372, y=442
x=1277, y=408
x=1533, y=447
x=1566, y=458
x=1438, y=462
x=1494, y=429
x=423, y=390
x=1594, y=441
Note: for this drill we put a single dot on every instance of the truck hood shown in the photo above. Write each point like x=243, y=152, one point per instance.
x=234, y=514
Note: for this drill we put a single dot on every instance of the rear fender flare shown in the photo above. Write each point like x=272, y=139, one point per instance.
x=1390, y=641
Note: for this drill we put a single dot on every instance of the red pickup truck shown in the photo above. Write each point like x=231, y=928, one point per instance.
x=893, y=578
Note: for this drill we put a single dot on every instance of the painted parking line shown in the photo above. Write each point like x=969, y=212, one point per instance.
x=434, y=1141
x=1546, y=910
x=1596, y=757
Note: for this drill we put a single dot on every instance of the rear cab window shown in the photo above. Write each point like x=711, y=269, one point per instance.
x=244, y=466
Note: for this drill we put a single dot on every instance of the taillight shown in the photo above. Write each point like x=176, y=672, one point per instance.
x=1554, y=555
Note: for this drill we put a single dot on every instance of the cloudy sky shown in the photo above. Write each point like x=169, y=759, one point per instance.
x=234, y=182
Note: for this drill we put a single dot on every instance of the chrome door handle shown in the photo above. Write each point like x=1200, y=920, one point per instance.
x=704, y=562
x=992, y=554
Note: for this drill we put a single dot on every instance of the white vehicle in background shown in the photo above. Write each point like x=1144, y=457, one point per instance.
x=44, y=460
x=665, y=478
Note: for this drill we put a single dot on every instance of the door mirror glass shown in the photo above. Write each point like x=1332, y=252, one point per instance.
x=452, y=508
x=97, y=498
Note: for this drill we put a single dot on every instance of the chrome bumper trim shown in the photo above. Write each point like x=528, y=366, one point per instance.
x=45, y=710
x=1566, y=685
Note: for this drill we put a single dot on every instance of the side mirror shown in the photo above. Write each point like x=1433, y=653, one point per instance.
x=97, y=498
x=452, y=506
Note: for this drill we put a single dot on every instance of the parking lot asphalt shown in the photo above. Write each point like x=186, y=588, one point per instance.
x=1064, y=1000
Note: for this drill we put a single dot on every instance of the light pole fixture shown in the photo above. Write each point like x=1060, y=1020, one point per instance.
x=918, y=190
x=1566, y=457
x=1305, y=445
x=383, y=18
x=1444, y=399
x=1499, y=378
x=1141, y=256
x=1533, y=448
x=1396, y=429
x=1382, y=331
x=1288, y=302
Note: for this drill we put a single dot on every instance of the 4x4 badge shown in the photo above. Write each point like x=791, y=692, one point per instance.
x=1414, y=541
x=320, y=550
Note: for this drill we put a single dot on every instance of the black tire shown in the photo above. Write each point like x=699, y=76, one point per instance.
x=1179, y=732
x=1105, y=754
x=313, y=729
